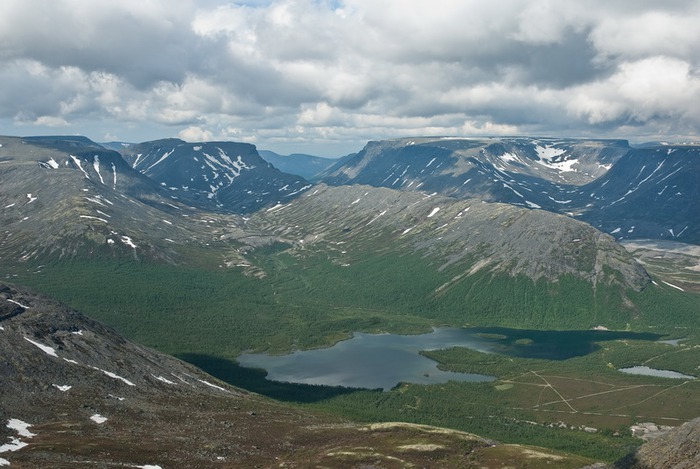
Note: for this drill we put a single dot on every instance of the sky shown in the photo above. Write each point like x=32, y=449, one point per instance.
x=324, y=77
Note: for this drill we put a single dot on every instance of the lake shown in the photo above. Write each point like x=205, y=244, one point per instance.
x=646, y=371
x=375, y=361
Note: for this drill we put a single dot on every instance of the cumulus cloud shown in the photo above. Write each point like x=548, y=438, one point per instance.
x=299, y=74
x=195, y=134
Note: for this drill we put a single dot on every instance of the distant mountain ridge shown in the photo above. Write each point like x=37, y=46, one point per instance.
x=599, y=181
x=307, y=166
x=214, y=175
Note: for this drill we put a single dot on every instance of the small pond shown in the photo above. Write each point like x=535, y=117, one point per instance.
x=375, y=361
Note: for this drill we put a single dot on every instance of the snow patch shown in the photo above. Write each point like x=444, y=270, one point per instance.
x=547, y=155
x=79, y=165
x=165, y=380
x=4, y=462
x=94, y=218
x=212, y=385
x=13, y=445
x=98, y=419
x=516, y=192
x=53, y=163
x=509, y=157
x=149, y=466
x=673, y=286
x=44, y=348
x=276, y=207
x=559, y=201
x=114, y=376
x=435, y=210
x=459, y=215
x=162, y=158
x=375, y=218
x=62, y=388
x=20, y=427
x=616, y=230
x=18, y=303
x=31, y=199
x=127, y=240
x=532, y=204
x=96, y=165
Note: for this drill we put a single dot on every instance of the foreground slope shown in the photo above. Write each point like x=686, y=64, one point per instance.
x=73, y=392
x=677, y=449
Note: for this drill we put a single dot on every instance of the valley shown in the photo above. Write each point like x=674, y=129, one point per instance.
x=208, y=278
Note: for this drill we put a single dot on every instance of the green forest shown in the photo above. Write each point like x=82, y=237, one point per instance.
x=209, y=315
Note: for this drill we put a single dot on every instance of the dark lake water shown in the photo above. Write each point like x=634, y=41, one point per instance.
x=384, y=360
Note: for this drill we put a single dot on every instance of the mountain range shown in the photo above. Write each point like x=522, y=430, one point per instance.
x=512, y=231
x=650, y=192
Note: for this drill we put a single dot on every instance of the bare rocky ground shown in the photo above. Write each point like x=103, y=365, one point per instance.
x=676, y=449
x=73, y=393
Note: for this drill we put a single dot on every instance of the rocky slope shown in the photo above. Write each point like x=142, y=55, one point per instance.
x=65, y=197
x=676, y=449
x=225, y=176
x=631, y=193
x=74, y=393
x=475, y=235
x=649, y=193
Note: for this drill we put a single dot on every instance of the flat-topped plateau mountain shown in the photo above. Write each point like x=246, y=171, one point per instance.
x=649, y=192
x=215, y=175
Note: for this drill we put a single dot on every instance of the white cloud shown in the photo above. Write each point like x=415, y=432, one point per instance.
x=338, y=73
x=195, y=134
x=640, y=91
